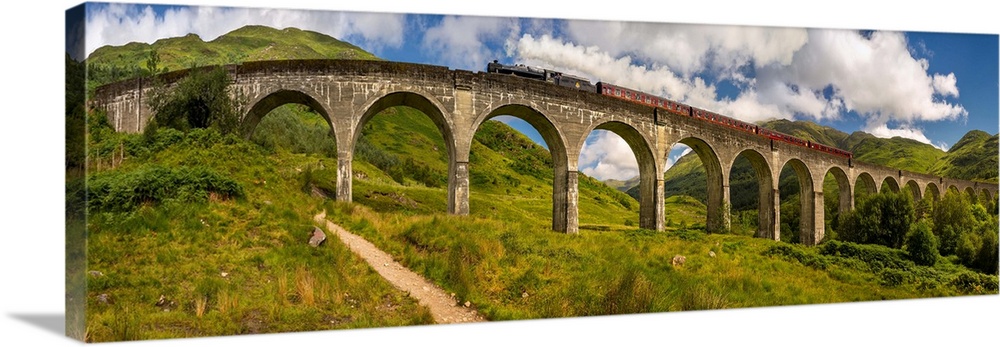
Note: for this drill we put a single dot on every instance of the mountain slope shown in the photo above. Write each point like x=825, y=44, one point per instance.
x=250, y=43
x=974, y=157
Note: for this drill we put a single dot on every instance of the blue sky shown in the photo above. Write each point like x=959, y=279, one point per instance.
x=931, y=87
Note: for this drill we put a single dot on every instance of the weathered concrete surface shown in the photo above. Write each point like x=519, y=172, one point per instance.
x=348, y=93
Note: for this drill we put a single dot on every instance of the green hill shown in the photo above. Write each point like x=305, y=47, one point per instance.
x=250, y=43
x=974, y=157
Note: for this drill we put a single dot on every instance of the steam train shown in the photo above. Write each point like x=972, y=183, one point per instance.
x=567, y=80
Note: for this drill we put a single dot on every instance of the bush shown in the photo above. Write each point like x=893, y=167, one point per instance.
x=874, y=256
x=126, y=191
x=952, y=216
x=806, y=258
x=921, y=244
x=200, y=100
x=881, y=219
x=987, y=259
x=971, y=282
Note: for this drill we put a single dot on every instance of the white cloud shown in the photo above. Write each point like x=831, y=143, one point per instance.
x=607, y=156
x=690, y=48
x=883, y=131
x=118, y=24
x=814, y=74
x=946, y=85
x=875, y=76
x=460, y=41
x=594, y=63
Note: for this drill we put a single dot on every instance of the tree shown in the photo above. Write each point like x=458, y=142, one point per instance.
x=952, y=216
x=921, y=245
x=202, y=99
x=882, y=219
x=153, y=64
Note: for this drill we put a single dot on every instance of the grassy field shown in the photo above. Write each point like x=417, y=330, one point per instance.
x=185, y=260
x=219, y=232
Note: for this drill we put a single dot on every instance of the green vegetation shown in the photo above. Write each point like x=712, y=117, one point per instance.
x=967, y=230
x=216, y=226
x=922, y=245
x=199, y=100
x=881, y=219
x=974, y=157
x=250, y=43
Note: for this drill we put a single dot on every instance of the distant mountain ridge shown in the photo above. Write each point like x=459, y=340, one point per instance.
x=249, y=43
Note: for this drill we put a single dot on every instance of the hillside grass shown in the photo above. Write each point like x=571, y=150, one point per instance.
x=250, y=43
x=238, y=263
x=511, y=268
x=223, y=264
x=506, y=261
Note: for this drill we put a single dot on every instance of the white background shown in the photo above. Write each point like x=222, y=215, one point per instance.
x=31, y=200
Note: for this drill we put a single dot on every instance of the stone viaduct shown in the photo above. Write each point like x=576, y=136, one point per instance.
x=348, y=93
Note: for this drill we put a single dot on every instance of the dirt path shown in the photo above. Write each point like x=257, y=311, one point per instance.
x=443, y=307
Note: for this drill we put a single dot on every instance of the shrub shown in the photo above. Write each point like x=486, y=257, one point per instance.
x=200, y=100
x=882, y=219
x=921, y=244
x=971, y=282
x=987, y=259
x=875, y=256
x=952, y=216
x=126, y=191
x=806, y=258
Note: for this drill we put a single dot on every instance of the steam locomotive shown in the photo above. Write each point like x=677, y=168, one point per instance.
x=576, y=82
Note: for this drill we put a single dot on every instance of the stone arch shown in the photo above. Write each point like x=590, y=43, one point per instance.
x=267, y=103
x=650, y=204
x=765, y=195
x=807, y=202
x=971, y=194
x=890, y=182
x=866, y=183
x=716, y=183
x=984, y=195
x=458, y=175
x=564, y=212
x=426, y=104
x=914, y=189
x=844, y=189
x=933, y=191
x=954, y=189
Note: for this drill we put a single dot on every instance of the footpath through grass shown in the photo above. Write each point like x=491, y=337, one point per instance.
x=213, y=241
x=515, y=268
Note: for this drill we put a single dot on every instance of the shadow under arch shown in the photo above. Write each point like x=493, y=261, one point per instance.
x=650, y=205
x=954, y=189
x=556, y=143
x=866, y=183
x=933, y=191
x=914, y=189
x=890, y=182
x=277, y=99
x=765, y=192
x=985, y=196
x=845, y=201
x=716, y=200
x=971, y=194
x=807, y=203
x=457, y=172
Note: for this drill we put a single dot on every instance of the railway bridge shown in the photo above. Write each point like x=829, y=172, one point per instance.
x=348, y=93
